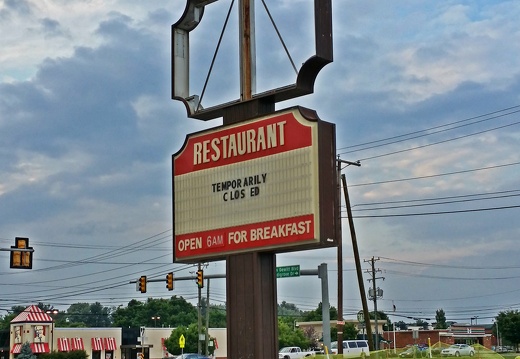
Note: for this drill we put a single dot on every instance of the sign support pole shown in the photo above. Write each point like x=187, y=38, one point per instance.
x=251, y=299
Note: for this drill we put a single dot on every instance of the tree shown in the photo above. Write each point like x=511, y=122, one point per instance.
x=288, y=310
x=290, y=336
x=421, y=323
x=191, y=337
x=509, y=326
x=440, y=318
x=217, y=316
x=26, y=352
x=173, y=313
x=401, y=325
x=88, y=315
x=350, y=331
x=5, y=323
x=380, y=315
x=316, y=315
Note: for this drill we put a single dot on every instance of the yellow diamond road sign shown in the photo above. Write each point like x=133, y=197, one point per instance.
x=182, y=341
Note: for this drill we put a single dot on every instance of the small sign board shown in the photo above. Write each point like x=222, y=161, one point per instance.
x=288, y=271
x=182, y=341
x=361, y=316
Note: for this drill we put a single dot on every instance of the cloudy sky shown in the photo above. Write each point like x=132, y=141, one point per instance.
x=426, y=94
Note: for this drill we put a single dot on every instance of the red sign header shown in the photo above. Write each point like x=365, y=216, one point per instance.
x=243, y=142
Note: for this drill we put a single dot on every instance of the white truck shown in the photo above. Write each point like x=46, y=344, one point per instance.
x=294, y=353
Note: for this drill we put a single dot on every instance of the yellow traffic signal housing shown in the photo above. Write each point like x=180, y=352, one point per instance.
x=21, y=259
x=141, y=283
x=169, y=281
x=200, y=278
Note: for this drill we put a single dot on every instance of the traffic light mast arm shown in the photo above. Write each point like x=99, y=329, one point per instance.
x=17, y=250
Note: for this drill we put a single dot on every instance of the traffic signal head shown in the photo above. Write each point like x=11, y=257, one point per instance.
x=141, y=284
x=169, y=281
x=21, y=259
x=200, y=278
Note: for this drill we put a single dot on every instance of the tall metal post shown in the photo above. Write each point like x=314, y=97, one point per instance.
x=207, y=319
x=199, y=317
x=325, y=305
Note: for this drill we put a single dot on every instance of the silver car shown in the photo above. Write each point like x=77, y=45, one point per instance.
x=458, y=350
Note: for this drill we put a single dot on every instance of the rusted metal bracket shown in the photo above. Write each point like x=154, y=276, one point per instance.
x=305, y=79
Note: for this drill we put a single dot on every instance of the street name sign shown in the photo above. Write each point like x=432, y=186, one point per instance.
x=288, y=271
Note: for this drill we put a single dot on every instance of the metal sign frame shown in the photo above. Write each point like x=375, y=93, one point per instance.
x=305, y=79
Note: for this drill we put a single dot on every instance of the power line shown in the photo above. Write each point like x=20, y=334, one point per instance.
x=439, y=198
x=439, y=142
x=436, y=175
x=426, y=132
x=436, y=213
x=434, y=203
x=480, y=267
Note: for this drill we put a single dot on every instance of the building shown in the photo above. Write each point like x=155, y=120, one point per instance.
x=37, y=328
x=455, y=334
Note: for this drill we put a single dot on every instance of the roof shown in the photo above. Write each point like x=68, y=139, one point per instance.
x=32, y=314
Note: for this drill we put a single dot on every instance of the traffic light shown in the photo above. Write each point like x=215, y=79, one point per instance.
x=21, y=259
x=141, y=284
x=200, y=278
x=169, y=281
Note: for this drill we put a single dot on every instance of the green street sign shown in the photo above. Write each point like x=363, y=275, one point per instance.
x=288, y=271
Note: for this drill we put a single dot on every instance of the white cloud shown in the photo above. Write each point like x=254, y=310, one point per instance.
x=88, y=126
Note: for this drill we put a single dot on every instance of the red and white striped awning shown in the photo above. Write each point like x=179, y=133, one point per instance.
x=40, y=348
x=16, y=349
x=97, y=344
x=63, y=345
x=76, y=344
x=110, y=343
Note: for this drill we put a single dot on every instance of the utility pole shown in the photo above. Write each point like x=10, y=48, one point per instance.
x=340, y=322
x=199, y=317
x=376, y=292
x=359, y=272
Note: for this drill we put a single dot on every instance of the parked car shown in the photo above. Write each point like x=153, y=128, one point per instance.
x=294, y=353
x=192, y=356
x=458, y=350
x=501, y=349
x=415, y=350
x=352, y=348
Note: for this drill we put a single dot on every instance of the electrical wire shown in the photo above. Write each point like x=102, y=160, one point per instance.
x=427, y=132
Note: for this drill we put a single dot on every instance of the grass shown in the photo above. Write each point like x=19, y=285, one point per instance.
x=480, y=353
